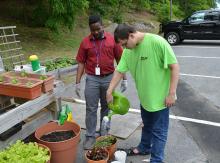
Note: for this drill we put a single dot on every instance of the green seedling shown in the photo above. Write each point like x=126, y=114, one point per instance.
x=43, y=77
x=1, y=79
x=14, y=81
x=29, y=84
x=105, y=141
x=23, y=74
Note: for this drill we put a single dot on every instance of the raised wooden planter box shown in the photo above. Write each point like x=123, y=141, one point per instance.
x=20, y=87
x=48, y=80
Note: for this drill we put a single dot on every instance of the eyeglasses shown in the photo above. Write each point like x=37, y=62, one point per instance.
x=124, y=43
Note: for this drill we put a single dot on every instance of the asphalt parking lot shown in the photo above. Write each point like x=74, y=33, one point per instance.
x=195, y=120
x=199, y=93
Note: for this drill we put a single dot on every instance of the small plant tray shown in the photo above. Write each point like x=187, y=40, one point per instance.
x=20, y=87
x=48, y=80
x=13, y=130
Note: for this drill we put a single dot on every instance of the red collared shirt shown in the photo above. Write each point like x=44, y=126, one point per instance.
x=99, y=52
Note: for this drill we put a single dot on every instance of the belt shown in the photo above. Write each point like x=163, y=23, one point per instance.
x=103, y=75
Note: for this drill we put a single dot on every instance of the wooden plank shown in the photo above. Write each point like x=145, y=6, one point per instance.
x=27, y=109
x=10, y=50
x=12, y=56
x=8, y=27
x=28, y=129
x=6, y=43
x=9, y=35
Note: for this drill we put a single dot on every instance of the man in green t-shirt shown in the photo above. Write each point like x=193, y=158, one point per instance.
x=153, y=65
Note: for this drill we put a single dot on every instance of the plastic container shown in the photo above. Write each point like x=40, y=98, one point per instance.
x=28, y=68
x=1, y=65
x=35, y=63
x=120, y=104
x=120, y=156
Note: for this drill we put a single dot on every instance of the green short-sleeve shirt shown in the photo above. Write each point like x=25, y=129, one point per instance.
x=148, y=64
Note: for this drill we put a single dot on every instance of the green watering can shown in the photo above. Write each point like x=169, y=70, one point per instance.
x=120, y=104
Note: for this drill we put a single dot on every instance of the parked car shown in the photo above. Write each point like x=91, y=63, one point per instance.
x=201, y=25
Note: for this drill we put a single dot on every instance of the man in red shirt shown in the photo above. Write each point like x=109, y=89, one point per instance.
x=96, y=56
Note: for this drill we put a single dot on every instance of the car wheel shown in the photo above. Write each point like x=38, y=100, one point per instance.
x=173, y=38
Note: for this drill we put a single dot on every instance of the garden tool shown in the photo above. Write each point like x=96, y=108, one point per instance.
x=120, y=105
x=65, y=114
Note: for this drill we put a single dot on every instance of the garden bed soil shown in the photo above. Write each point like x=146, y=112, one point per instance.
x=58, y=136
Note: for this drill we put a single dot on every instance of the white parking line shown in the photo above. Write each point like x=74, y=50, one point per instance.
x=184, y=119
x=199, y=57
x=201, y=76
x=131, y=110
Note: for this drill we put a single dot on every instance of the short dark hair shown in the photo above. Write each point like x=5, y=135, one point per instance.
x=94, y=19
x=122, y=32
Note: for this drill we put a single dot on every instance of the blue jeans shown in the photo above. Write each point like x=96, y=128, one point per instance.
x=154, y=133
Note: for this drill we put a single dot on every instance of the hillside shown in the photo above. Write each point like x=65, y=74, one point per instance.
x=47, y=45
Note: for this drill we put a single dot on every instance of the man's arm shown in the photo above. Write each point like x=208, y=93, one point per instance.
x=114, y=82
x=80, y=71
x=174, y=77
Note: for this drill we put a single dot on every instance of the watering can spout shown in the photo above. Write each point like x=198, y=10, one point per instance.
x=120, y=104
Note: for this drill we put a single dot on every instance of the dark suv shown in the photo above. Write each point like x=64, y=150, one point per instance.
x=201, y=25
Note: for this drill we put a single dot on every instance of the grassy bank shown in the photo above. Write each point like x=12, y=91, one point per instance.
x=48, y=45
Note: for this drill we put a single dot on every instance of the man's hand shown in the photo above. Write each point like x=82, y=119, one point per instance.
x=170, y=100
x=77, y=90
x=109, y=97
x=124, y=85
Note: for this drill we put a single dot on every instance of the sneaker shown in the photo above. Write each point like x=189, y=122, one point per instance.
x=88, y=143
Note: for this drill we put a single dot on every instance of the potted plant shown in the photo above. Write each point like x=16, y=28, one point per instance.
x=30, y=152
x=109, y=142
x=20, y=87
x=97, y=155
x=48, y=80
x=62, y=140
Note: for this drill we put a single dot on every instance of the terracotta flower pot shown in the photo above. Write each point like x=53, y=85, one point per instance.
x=111, y=149
x=47, y=82
x=63, y=151
x=99, y=161
x=20, y=87
x=49, y=151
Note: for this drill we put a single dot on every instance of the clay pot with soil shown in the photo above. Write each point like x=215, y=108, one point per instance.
x=62, y=140
x=97, y=155
x=109, y=142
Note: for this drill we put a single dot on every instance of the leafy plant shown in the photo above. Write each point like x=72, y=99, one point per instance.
x=105, y=141
x=14, y=81
x=59, y=63
x=43, y=77
x=1, y=78
x=23, y=73
x=24, y=153
x=97, y=154
x=29, y=84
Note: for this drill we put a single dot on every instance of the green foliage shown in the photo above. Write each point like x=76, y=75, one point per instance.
x=59, y=63
x=24, y=153
x=43, y=77
x=105, y=141
x=190, y=6
x=1, y=78
x=112, y=9
x=56, y=14
x=14, y=80
x=63, y=12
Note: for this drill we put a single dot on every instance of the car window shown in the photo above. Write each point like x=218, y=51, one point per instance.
x=197, y=17
x=212, y=16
